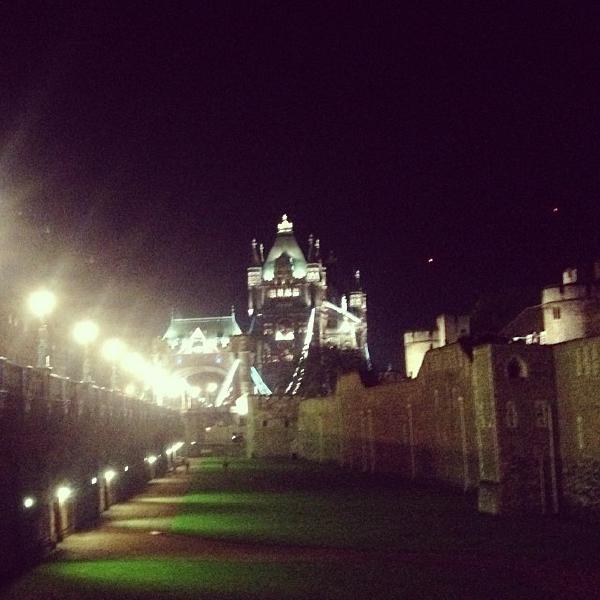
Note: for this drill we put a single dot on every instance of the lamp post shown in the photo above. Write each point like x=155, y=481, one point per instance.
x=84, y=333
x=113, y=350
x=41, y=303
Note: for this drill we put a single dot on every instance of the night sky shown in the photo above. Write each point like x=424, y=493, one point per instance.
x=142, y=148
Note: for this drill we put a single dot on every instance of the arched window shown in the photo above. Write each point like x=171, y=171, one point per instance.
x=516, y=368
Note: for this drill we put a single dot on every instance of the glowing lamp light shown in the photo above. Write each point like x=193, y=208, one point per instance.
x=130, y=389
x=85, y=332
x=109, y=475
x=63, y=493
x=126, y=468
x=41, y=303
x=134, y=363
x=212, y=387
x=151, y=459
x=94, y=480
x=113, y=349
x=28, y=502
x=176, y=387
x=177, y=446
x=430, y=260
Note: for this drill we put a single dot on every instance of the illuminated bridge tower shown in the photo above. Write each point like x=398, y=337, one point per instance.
x=198, y=350
x=287, y=294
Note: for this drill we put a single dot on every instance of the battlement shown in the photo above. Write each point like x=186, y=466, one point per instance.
x=418, y=337
x=570, y=291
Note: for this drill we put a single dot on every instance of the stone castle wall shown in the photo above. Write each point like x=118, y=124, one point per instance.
x=422, y=431
x=578, y=423
x=54, y=432
x=518, y=423
x=272, y=426
x=515, y=412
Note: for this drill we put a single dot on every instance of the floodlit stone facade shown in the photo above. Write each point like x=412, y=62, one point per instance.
x=293, y=306
x=567, y=311
x=448, y=329
x=272, y=430
x=578, y=422
x=59, y=436
x=516, y=423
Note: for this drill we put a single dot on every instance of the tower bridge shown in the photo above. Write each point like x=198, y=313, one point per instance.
x=295, y=311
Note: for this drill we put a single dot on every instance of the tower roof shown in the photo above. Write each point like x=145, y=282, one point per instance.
x=285, y=242
x=212, y=327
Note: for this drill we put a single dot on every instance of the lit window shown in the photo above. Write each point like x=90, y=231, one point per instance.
x=295, y=292
x=556, y=312
x=287, y=292
x=280, y=293
x=272, y=293
x=355, y=301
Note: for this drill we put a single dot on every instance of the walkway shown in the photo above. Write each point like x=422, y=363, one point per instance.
x=290, y=530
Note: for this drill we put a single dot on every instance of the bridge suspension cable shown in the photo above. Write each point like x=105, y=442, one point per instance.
x=298, y=375
x=226, y=385
x=259, y=383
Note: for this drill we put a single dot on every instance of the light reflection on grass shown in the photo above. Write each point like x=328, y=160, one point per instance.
x=163, y=523
x=189, y=578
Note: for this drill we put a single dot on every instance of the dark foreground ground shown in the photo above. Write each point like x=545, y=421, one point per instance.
x=267, y=530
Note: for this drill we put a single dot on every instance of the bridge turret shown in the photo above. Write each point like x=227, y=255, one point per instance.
x=254, y=278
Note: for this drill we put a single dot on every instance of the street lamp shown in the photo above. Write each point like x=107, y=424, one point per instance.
x=84, y=333
x=112, y=350
x=41, y=303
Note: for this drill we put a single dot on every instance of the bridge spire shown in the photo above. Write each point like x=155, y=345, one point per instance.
x=256, y=262
x=285, y=226
x=311, y=250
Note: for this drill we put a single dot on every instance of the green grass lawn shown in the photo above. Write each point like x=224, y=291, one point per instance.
x=302, y=504
x=383, y=540
x=221, y=579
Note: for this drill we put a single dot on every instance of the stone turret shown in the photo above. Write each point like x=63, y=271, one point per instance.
x=572, y=310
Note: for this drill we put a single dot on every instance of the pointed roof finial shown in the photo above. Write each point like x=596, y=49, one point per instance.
x=285, y=226
x=256, y=262
x=262, y=252
x=311, y=243
x=357, y=279
x=233, y=310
